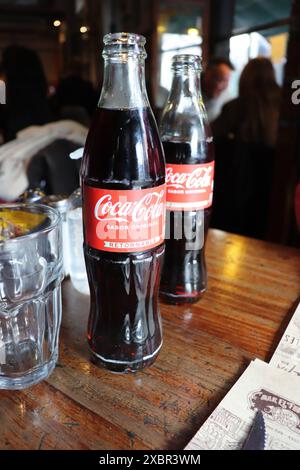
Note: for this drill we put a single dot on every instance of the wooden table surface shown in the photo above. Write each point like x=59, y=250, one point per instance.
x=252, y=293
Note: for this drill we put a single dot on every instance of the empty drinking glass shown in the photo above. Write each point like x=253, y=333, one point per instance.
x=76, y=255
x=30, y=293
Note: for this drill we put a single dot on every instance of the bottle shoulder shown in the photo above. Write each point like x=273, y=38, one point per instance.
x=185, y=123
x=123, y=149
x=184, y=153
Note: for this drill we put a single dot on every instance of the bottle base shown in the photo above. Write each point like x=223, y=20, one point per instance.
x=124, y=367
x=178, y=299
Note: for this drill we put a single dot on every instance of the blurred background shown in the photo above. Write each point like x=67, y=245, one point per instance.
x=50, y=62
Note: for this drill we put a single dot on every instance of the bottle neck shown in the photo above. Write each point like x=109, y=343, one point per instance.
x=186, y=87
x=184, y=117
x=124, y=83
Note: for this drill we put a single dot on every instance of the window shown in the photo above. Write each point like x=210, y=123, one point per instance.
x=257, y=44
x=180, y=31
x=260, y=29
x=172, y=44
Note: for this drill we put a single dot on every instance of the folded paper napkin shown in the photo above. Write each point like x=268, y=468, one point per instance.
x=264, y=388
x=273, y=389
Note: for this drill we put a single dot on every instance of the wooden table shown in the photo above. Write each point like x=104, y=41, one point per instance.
x=253, y=289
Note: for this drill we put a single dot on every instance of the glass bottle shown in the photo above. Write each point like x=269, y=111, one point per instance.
x=188, y=147
x=123, y=182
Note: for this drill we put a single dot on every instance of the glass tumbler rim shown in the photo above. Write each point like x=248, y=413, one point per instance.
x=43, y=209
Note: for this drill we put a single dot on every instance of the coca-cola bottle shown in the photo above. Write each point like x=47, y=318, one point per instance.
x=188, y=147
x=123, y=181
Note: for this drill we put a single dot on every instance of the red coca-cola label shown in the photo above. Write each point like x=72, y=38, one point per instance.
x=124, y=221
x=189, y=187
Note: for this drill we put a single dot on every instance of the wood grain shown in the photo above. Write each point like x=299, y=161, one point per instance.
x=253, y=288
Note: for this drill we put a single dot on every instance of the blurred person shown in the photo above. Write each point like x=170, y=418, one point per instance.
x=245, y=136
x=75, y=97
x=215, y=86
x=253, y=116
x=26, y=91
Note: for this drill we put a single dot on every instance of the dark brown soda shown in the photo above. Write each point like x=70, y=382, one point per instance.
x=123, y=151
x=184, y=275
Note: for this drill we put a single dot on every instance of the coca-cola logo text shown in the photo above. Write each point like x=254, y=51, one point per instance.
x=199, y=178
x=149, y=207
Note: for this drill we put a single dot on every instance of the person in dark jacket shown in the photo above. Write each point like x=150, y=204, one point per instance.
x=215, y=82
x=26, y=91
x=253, y=116
x=245, y=136
x=75, y=97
